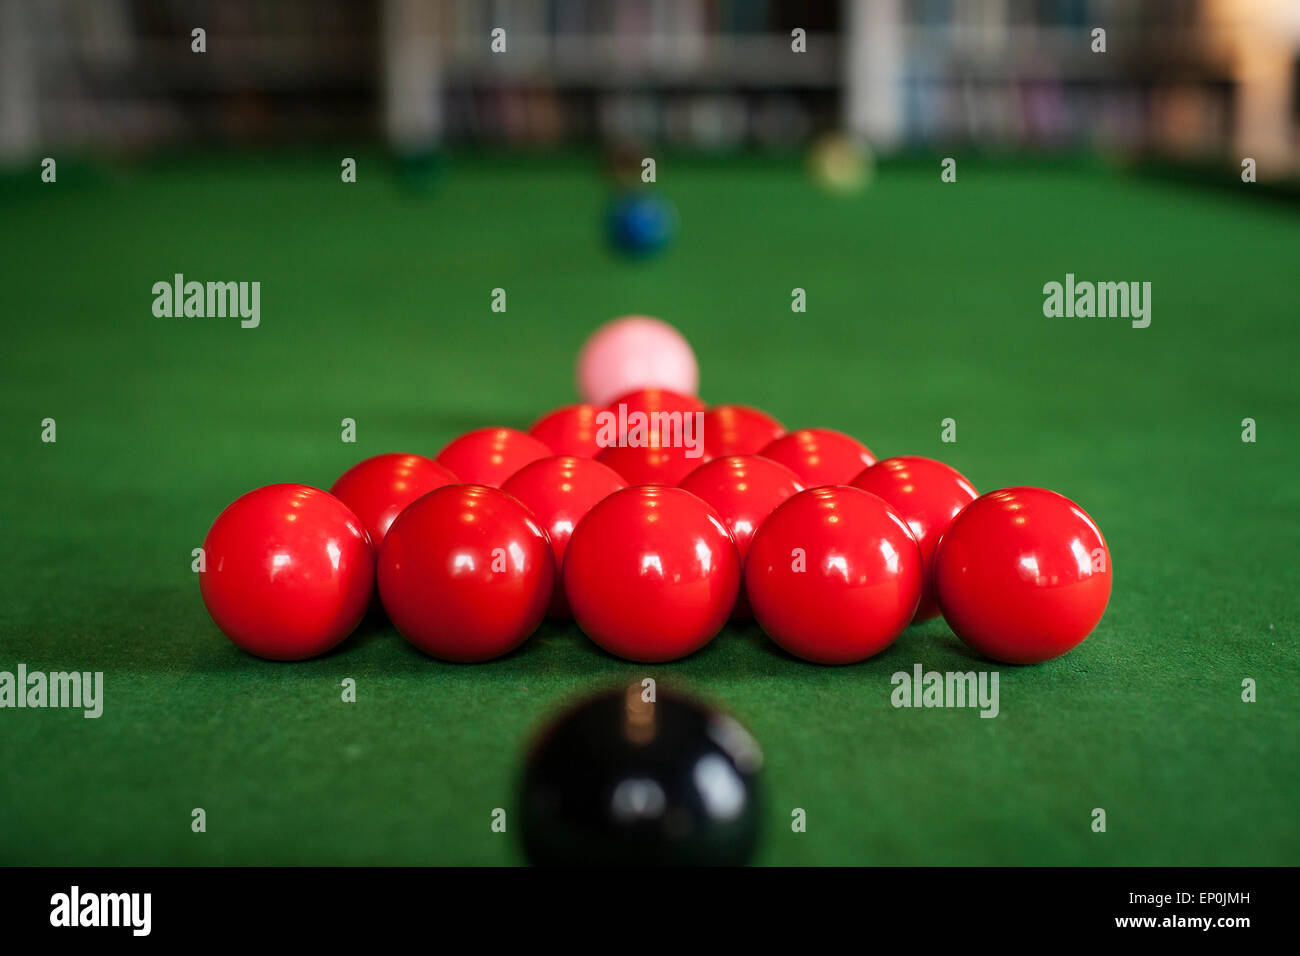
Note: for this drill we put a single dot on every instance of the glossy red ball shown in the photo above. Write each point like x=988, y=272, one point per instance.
x=571, y=430
x=927, y=494
x=652, y=464
x=743, y=490
x=660, y=436
x=465, y=573
x=288, y=572
x=834, y=575
x=820, y=456
x=1022, y=575
x=652, y=401
x=739, y=430
x=651, y=573
x=378, y=488
x=488, y=456
x=560, y=491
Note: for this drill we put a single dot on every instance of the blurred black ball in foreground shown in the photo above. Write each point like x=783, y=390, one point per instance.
x=624, y=782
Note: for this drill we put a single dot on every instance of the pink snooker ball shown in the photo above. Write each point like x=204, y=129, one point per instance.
x=635, y=352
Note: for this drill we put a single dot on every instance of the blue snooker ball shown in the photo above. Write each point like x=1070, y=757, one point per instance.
x=640, y=224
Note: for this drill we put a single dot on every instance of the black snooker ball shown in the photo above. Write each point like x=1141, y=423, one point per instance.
x=619, y=781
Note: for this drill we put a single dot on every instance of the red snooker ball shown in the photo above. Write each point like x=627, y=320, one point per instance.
x=652, y=464
x=378, y=488
x=739, y=430
x=654, y=401
x=927, y=494
x=1022, y=575
x=744, y=490
x=834, y=575
x=465, y=573
x=288, y=572
x=660, y=436
x=488, y=456
x=820, y=456
x=560, y=491
x=651, y=573
x=571, y=430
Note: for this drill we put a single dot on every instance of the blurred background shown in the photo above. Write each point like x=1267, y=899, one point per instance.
x=1192, y=80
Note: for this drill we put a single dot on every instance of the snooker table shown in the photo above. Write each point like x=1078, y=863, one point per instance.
x=924, y=302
